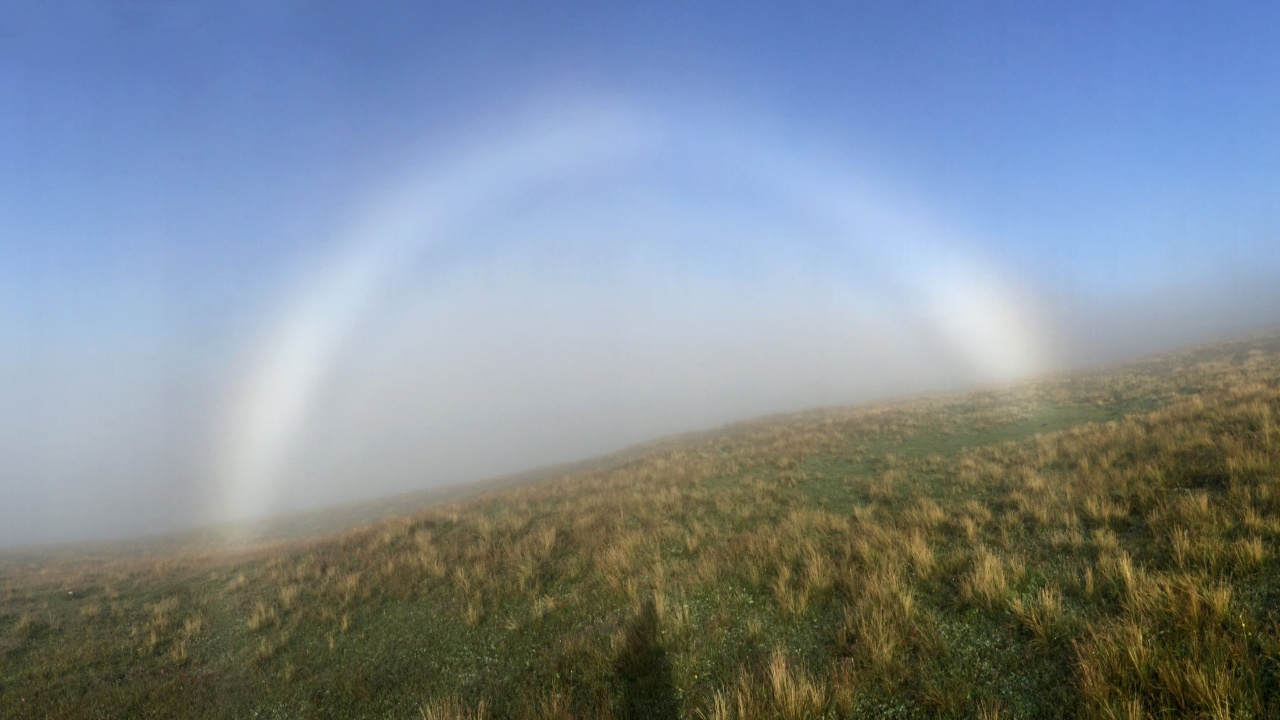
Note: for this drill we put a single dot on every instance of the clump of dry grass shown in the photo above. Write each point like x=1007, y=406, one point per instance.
x=794, y=695
x=987, y=582
x=782, y=690
x=262, y=617
x=289, y=596
x=451, y=708
x=1247, y=554
x=920, y=554
x=1104, y=510
x=792, y=597
x=269, y=647
x=1043, y=615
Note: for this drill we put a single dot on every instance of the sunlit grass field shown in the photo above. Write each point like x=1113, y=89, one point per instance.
x=1093, y=545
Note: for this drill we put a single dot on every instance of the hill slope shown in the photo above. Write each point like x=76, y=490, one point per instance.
x=1099, y=545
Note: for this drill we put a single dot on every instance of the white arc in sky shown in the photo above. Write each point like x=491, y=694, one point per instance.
x=983, y=319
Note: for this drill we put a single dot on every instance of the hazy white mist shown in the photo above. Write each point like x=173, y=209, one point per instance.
x=571, y=312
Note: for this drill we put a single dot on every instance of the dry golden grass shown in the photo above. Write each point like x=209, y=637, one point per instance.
x=987, y=583
x=451, y=708
x=1043, y=615
x=782, y=691
x=902, y=559
x=263, y=616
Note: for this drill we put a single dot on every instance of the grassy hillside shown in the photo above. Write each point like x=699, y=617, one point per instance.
x=1096, y=545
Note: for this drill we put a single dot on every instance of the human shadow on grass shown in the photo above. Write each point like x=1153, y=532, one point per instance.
x=646, y=690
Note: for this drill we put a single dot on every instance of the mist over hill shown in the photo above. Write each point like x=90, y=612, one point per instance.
x=1092, y=543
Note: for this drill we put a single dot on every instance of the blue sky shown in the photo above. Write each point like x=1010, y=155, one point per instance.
x=1112, y=143
x=172, y=173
